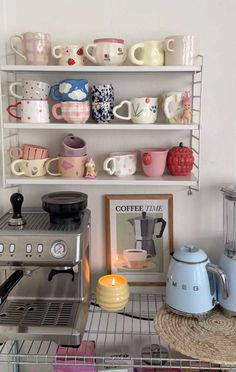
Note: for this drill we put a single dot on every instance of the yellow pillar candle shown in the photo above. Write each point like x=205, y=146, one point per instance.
x=112, y=292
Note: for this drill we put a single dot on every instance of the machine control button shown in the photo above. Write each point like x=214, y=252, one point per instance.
x=12, y=248
x=28, y=248
x=1, y=248
x=59, y=249
x=40, y=248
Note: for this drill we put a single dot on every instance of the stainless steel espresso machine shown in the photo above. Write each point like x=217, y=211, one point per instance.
x=44, y=269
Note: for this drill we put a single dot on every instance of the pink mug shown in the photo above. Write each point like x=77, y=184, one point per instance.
x=154, y=161
x=68, y=166
x=28, y=152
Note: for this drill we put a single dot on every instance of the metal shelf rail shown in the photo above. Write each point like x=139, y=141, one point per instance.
x=119, y=337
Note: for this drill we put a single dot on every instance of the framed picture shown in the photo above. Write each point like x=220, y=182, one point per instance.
x=139, y=234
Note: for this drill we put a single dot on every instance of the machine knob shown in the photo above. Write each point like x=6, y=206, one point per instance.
x=59, y=249
x=16, y=202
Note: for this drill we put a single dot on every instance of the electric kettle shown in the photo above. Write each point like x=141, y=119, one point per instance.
x=191, y=282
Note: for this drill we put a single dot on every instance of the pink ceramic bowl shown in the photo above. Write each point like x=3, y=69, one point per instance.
x=153, y=161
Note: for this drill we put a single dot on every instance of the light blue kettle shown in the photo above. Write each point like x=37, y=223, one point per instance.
x=191, y=285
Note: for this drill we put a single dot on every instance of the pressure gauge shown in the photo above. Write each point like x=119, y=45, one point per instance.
x=59, y=249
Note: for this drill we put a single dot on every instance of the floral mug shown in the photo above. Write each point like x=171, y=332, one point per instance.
x=140, y=110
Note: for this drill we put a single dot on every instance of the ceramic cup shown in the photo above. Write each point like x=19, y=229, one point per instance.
x=121, y=164
x=102, y=93
x=69, y=167
x=31, y=89
x=72, y=112
x=177, y=107
x=140, y=110
x=180, y=50
x=32, y=111
x=69, y=55
x=102, y=112
x=107, y=51
x=135, y=258
x=28, y=152
x=73, y=146
x=151, y=53
x=36, y=47
x=153, y=161
x=70, y=90
x=29, y=168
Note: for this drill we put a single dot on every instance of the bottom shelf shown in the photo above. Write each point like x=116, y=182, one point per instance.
x=119, y=339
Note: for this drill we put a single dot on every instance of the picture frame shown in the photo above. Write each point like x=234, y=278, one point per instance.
x=139, y=237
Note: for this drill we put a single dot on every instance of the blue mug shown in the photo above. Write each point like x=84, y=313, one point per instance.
x=70, y=90
x=102, y=112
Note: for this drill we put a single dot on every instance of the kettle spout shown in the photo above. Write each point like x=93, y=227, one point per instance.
x=221, y=277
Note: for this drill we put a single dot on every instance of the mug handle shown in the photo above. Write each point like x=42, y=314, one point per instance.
x=47, y=167
x=167, y=111
x=9, y=110
x=57, y=55
x=14, y=171
x=55, y=107
x=12, y=85
x=16, y=149
x=88, y=55
x=132, y=51
x=17, y=36
x=53, y=91
x=167, y=45
x=128, y=103
x=106, y=168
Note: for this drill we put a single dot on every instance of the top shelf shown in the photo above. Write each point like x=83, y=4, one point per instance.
x=136, y=69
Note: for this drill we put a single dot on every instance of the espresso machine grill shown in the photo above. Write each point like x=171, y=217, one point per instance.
x=45, y=276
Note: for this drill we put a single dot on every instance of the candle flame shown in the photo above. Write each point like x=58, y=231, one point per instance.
x=113, y=281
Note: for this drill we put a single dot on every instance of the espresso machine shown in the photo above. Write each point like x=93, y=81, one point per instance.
x=44, y=269
x=144, y=227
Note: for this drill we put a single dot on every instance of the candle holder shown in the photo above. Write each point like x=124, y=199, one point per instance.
x=112, y=292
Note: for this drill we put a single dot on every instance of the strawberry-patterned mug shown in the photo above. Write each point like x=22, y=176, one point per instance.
x=140, y=110
x=69, y=55
x=121, y=164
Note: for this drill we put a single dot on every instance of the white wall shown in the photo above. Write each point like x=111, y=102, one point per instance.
x=197, y=219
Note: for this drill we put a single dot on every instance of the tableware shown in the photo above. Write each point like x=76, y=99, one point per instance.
x=70, y=90
x=151, y=53
x=140, y=110
x=180, y=50
x=135, y=258
x=180, y=160
x=69, y=55
x=73, y=146
x=102, y=112
x=30, y=89
x=120, y=164
x=112, y=292
x=177, y=107
x=29, y=168
x=28, y=152
x=102, y=93
x=72, y=112
x=106, y=51
x=68, y=166
x=31, y=111
x=154, y=161
x=36, y=47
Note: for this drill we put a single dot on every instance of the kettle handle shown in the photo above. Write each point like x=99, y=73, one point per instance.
x=163, y=225
x=221, y=277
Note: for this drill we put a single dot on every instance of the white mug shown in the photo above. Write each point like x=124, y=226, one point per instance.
x=180, y=50
x=177, y=107
x=140, y=110
x=31, y=111
x=121, y=164
x=31, y=89
x=106, y=52
x=151, y=53
x=69, y=55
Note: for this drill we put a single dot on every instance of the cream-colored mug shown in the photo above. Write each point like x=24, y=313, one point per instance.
x=180, y=50
x=29, y=168
x=151, y=53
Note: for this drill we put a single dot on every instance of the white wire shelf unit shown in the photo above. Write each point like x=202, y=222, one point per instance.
x=119, y=340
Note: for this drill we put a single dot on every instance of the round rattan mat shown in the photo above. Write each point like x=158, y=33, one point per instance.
x=211, y=340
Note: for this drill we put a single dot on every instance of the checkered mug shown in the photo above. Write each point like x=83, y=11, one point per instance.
x=72, y=112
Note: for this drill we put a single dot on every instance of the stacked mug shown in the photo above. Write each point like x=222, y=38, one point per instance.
x=33, y=102
x=74, y=104
x=71, y=160
x=102, y=103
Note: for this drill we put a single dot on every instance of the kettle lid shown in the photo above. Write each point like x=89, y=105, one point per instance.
x=190, y=254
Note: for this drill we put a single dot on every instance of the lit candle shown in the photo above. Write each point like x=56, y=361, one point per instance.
x=112, y=292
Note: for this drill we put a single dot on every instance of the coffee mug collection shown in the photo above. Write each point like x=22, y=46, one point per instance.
x=36, y=49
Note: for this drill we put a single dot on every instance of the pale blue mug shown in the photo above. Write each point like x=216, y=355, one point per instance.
x=70, y=90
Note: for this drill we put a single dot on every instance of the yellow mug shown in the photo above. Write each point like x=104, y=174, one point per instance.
x=29, y=168
x=150, y=53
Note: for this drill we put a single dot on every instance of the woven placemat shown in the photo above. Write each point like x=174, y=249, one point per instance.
x=212, y=340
